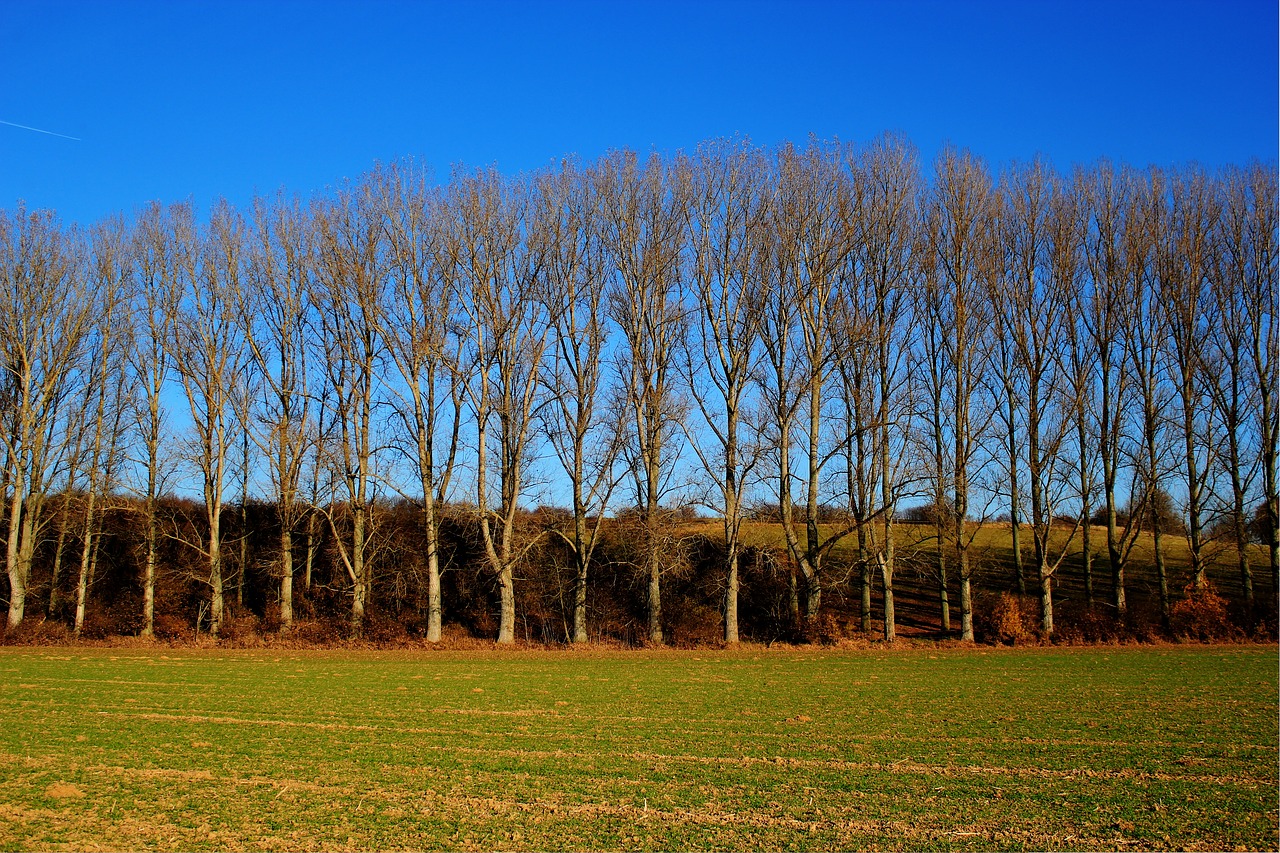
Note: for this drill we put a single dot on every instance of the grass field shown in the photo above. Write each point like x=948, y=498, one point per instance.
x=1126, y=747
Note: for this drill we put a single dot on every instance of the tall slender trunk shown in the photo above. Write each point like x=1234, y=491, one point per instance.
x=652, y=473
x=86, y=556
x=940, y=525
x=1270, y=436
x=506, y=587
x=312, y=545
x=1015, y=500
x=962, y=555
x=1086, y=522
x=1086, y=555
x=216, y=601
x=56, y=576
x=654, y=562
x=732, y=514
x=1273, y=514
x=18, y=573
x=286, y=577
x=149, y=572
x=359, y=567
x=242, y=573
x=359, y=594
x=580, y=573
x=1162, y=574
x=943, y=598
x=864, y=573
x=23, y=516
x=731, y=599
x=1106, y=452
x=961, y=502
x=434, y=606
x=813, y=586
x=885, y=559
x=1195, y=532
x=1046, y=601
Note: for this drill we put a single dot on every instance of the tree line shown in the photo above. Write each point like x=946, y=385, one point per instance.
x=825, y=336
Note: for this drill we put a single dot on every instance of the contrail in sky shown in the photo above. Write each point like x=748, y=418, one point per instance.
x=38, y=130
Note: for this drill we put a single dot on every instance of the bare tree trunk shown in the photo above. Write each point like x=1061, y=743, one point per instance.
x=645, y=216
x=885, y=560
x=217, y=604
x=731, y=598
x=88, y=542
x=46, y=317
x=286, y=579
x=1015, y=500
x=19, y=571
x=149, y=573
x=864, y=577
x=1086, y=509
x=961, y=227
x=55, y=578
x=312, y=545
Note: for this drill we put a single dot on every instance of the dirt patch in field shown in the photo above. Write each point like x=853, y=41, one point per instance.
x=63, y=791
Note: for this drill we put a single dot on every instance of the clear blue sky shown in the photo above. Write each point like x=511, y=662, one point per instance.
x=177, y=99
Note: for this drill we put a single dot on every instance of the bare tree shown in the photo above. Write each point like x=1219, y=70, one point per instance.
x=642, y=228
x=46, y=317
x=1002, y=365
x=727, y=212
x=275, y=308
x=498, y=258
x=159, y=268
x=348, y=298
x=1109, y=233
x=929, y=361
x=108, y=391
x=206, y=344
x=962, y=236
x=1242, y=299
x=584, y=432
x=813, y=227
x=886, y=189
x=1183, y=267
x=1040, y=233
x=1078, y=365
x=1146, y=361
x=1257, y=264
x=422, y=340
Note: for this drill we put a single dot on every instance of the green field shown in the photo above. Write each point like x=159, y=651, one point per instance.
x=1126, y=748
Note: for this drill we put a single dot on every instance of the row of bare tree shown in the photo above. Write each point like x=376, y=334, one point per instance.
x=821, y=328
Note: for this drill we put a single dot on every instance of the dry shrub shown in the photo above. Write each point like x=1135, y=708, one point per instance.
x=170, y=626
x=100, y=623
x=319, y=632
x=1080, y=623
x=455, y=637
x=242, y=631
x=1009, y=619
x=1266, y=625
x=383, y=630
x=825, y=629
x=1143, y=622
x=696, y=626
x=41, y=632
x=1202, y=615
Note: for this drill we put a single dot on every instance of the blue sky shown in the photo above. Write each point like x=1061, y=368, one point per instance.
x=171, y=100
